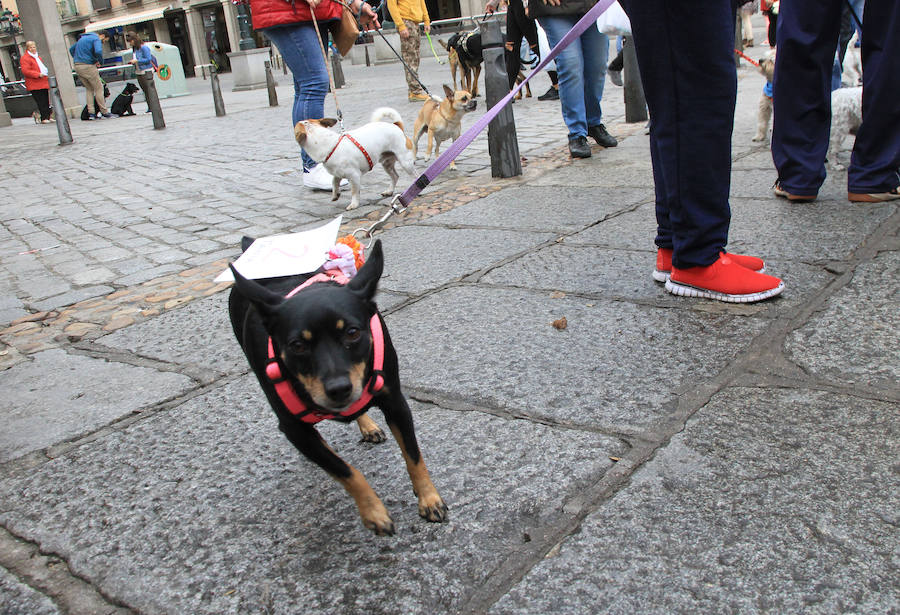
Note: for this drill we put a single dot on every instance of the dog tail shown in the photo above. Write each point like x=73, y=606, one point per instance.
x=391, y=116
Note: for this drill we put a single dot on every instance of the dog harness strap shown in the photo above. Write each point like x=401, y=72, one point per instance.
x=354, y=142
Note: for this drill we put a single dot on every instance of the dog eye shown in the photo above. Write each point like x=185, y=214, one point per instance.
x=352, y=335
x=298, y=346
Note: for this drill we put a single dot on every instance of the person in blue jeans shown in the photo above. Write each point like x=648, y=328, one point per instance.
x=581, y=68
x=807, y=37
x=685, y=52
x=290, y=27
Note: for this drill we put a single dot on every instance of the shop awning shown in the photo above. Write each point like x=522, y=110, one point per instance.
x=126, y=19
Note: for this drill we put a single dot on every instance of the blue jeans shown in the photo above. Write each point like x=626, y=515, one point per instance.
x=299, y=46
x=582, y=72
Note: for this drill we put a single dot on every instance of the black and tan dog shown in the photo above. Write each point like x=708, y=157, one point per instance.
x=464, y=52
x=325, y=353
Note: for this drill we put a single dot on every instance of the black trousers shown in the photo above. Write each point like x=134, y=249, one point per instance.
x=42, y=100
x=518, y=24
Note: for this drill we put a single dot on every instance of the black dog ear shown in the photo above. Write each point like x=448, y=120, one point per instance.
x=366, y=280
x=260, y=296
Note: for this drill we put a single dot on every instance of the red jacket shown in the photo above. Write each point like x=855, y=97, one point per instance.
x=268, y=13
x=33, y=78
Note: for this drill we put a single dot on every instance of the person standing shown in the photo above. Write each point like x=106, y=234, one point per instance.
x=518, y=25
x=144, y=62
x=87, y=54
x=36, y=81
x=290, y=27
x=582, y=71
x=407, y=15
x=685, y=53
x=808, y=33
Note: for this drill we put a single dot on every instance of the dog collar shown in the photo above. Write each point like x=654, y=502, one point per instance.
x=354, y=142
x=312, y=413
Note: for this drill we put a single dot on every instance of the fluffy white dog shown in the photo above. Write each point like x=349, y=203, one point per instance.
x=852, y=64
x=846, y=116
x=764, y=112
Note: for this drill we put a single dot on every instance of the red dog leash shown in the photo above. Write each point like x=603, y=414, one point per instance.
x=746, y=57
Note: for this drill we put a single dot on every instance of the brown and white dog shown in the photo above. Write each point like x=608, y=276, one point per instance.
x=764, y=113
x=442, y=119
x=355, y=152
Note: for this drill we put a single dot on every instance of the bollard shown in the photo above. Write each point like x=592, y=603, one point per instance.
x=217, y=92
x=336, y=69
x=738, y=37
x=503, y=145
x=153, y=99
x=635, y=102
x=270, y=85
x=62, y=120
x=368, y=61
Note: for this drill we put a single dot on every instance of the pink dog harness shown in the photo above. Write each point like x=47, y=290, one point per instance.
x=354, y=142
x=285, y=389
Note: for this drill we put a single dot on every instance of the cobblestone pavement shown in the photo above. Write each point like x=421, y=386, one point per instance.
x=129, y=222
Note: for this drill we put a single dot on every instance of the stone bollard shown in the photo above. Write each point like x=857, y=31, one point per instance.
x=153, y=100
x=635, y=102
x=270, y=85
x=336, y=69
x=62, y=120
x=503, y=144
x=217, y=92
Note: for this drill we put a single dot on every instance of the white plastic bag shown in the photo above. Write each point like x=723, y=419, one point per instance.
x=614, y=21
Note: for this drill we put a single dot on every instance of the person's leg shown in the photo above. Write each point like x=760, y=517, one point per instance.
x=595, y=51
x=875, y=160
x=97, y=85
x=807, y=38
x=511, y=51
x=747, y=27
x=42, y=100
x=409, y=50
x=691, y=86
x=299, y=46
x=85, y=77
x=570, y=70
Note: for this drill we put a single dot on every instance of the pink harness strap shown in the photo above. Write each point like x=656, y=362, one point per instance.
x=354, y=142
x=285, y=389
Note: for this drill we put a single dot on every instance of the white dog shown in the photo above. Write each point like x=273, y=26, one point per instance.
x=846, y=116
x=764, y=112
x=852, y=64
x=355, y=152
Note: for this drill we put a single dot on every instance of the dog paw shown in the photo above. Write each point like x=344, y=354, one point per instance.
x=335, y=197
x=387, y=193
x=352, y=205
x=375, y=436
x=379, y=521
x=433, y=509
x=758, y=138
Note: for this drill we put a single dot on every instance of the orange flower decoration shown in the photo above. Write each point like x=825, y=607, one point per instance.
x=359, y=257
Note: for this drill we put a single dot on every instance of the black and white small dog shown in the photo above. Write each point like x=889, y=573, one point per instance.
x=122, y=104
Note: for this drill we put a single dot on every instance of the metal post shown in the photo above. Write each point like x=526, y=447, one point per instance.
x=243, y=20
x=635, y=102
x=738, y=37
x=217, y=92
x=336, y=69
x=270, y=85
x=503, y=144
x=368, y=61
x=62, y=120
x=153, y=100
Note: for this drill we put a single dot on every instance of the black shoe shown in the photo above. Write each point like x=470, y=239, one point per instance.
x=551, y=94
x=599, y=134
x=579, y=148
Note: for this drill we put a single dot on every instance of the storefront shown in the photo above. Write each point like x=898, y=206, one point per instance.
x=215, y=35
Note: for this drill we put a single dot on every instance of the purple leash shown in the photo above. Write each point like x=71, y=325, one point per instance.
x=444, y=160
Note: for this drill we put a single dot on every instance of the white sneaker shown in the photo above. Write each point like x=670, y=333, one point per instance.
x=318, y=178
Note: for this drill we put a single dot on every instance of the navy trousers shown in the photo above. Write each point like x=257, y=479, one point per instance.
x=685, y=52
x=808, y=33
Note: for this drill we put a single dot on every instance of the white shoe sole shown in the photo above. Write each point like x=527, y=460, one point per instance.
x=684, y=290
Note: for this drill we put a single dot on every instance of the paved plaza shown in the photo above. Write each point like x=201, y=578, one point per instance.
x=656, y=455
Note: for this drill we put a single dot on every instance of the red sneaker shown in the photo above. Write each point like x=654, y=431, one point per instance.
x=664, y=263
x=724, y=280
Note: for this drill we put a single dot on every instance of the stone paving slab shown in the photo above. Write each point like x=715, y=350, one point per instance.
x=18, y=598
x=613, y=368
x=445, y=255
x=690, y=532
x=77, y=400
x=229, y=518
x=853, y=338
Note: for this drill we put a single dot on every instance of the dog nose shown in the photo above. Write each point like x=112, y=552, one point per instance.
x=338, y=388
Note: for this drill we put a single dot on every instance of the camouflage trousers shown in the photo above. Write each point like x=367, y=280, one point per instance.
x=409, y=51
